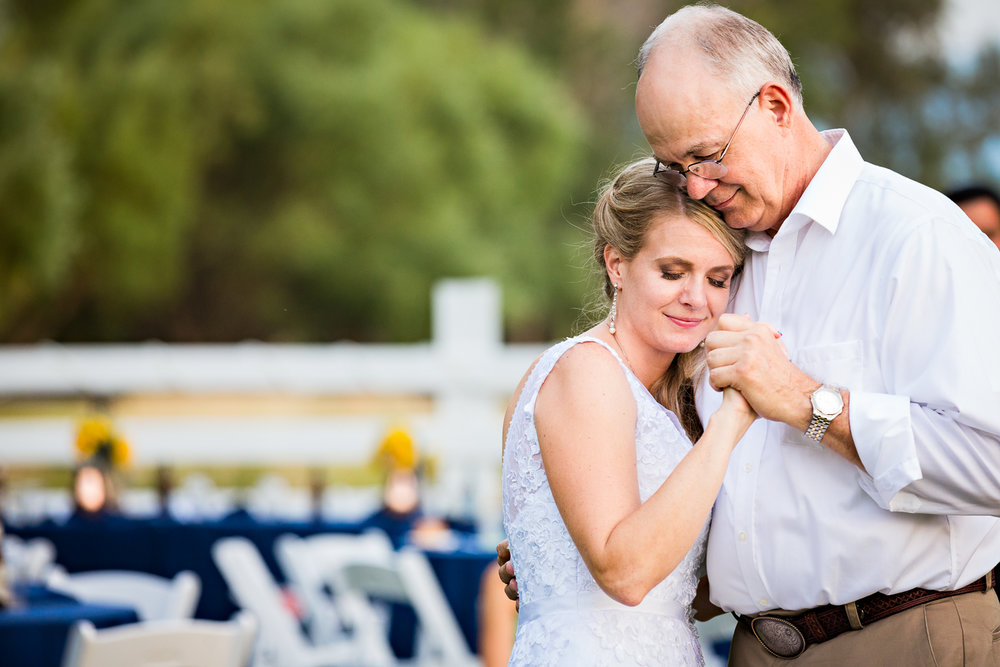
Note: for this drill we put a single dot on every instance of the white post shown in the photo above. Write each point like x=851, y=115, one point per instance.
x=467, y=338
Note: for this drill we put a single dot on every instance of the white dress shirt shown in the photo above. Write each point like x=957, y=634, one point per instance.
x=881, y=286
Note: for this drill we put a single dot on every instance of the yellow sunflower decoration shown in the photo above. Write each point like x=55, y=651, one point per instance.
x=397, y=451
x=97, y=440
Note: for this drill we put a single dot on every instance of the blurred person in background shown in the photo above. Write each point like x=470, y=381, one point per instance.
x=400, y=510
x=95, y=497
x=982, y=205
x=857, y=523
x=401, y=514
x=103, y=454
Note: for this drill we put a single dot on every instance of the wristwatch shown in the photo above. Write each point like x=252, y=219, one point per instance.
x=827, y=403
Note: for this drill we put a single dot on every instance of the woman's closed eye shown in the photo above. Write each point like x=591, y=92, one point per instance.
x=721, y=283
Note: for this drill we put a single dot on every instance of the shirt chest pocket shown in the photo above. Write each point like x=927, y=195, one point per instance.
x=839, y=364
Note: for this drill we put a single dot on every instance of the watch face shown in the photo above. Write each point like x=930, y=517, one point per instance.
x=828, y=401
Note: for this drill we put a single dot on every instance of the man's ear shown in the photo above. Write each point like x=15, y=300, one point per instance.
x=776, y=100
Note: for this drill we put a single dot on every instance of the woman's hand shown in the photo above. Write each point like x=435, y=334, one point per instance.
x=735, y=407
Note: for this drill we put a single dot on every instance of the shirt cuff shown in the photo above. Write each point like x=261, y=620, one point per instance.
x=883, y=436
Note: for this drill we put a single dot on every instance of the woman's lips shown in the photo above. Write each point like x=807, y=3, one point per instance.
x=684, y=322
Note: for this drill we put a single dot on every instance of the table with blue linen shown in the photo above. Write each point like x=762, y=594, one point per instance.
x=164, y=547
x=33, y=633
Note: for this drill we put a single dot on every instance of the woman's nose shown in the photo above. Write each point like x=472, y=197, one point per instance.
x=694, y=294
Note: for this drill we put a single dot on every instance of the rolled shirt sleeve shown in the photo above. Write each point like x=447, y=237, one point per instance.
x=930, y=444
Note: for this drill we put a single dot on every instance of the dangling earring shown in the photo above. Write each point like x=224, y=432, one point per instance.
x=614, y=311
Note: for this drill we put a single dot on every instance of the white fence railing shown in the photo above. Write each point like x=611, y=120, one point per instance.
x=465, y=374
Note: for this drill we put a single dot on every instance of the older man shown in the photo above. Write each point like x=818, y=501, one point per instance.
x=857, y=522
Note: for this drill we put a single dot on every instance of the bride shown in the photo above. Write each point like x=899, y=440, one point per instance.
x=605, y=499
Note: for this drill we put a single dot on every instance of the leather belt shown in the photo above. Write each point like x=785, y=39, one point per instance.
x=790, y=636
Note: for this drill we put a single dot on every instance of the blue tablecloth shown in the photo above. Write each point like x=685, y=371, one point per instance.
x=34, y=633
x=165, y=547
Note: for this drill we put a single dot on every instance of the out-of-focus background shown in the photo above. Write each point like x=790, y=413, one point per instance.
x=245, y=247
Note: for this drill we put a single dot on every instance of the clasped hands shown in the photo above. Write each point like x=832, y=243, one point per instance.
x=749, y=356
x=742, y=354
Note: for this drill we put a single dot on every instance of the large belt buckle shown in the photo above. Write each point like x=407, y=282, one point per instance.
x=778, y=636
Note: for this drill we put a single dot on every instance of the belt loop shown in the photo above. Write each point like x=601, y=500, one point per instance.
x=852, y=615
x=989, y=580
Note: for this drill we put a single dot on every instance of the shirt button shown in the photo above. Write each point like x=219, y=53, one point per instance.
x=748, y=468
x=763, y=602
x=742, y=536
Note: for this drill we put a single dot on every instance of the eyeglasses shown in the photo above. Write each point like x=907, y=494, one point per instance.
x=711, y=169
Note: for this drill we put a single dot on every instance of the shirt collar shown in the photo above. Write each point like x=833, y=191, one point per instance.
x=824, y=197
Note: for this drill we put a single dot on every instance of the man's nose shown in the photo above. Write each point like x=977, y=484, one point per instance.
x=698, y=187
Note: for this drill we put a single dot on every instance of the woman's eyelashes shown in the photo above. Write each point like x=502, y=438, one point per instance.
x=721, y=282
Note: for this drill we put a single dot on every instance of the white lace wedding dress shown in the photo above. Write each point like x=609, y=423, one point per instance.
x=565, y=619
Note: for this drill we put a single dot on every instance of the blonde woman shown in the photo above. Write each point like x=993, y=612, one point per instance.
x=605, y=499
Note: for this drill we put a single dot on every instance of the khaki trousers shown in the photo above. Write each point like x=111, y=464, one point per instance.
x=961, y=630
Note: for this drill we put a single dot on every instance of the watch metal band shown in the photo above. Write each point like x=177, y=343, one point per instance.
x=817, y=428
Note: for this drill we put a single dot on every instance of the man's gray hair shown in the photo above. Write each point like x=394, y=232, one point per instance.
x=736, y=48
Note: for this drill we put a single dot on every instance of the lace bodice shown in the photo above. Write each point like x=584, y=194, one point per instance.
x=550, y=570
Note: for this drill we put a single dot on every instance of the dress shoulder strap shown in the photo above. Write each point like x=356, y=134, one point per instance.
x=548, y=361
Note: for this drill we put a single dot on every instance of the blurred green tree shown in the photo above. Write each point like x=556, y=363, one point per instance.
x=876, y=68
x=305, y=170
x=282, y=170
x=881, y=70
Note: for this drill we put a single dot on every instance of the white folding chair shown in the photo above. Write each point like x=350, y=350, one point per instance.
x=281, y=642
x=313, y=566
x=305, y=579
x=325, y=555
x=409, y=579
x=27, y=560
x=175, y=642
x=154, y=598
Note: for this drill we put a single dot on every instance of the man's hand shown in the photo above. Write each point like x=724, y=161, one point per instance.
x=704, y=610
x=748, y=356
x=507, y=572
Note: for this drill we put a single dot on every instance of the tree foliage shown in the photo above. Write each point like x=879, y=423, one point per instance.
x=294, y=170
x=880, y=70
x=290, y=171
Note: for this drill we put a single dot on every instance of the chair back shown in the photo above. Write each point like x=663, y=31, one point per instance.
x=281, y=642
x=154, y=598
x=253, y=588
x=334, y=612
x=330, y=552
x=305, y=579
x=175, y=642
x=27, y=560
x=409, y=579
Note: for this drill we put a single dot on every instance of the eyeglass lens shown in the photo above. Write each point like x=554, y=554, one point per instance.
x=710, y=169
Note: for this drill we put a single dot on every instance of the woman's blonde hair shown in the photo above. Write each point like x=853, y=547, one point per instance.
x=625, y=210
